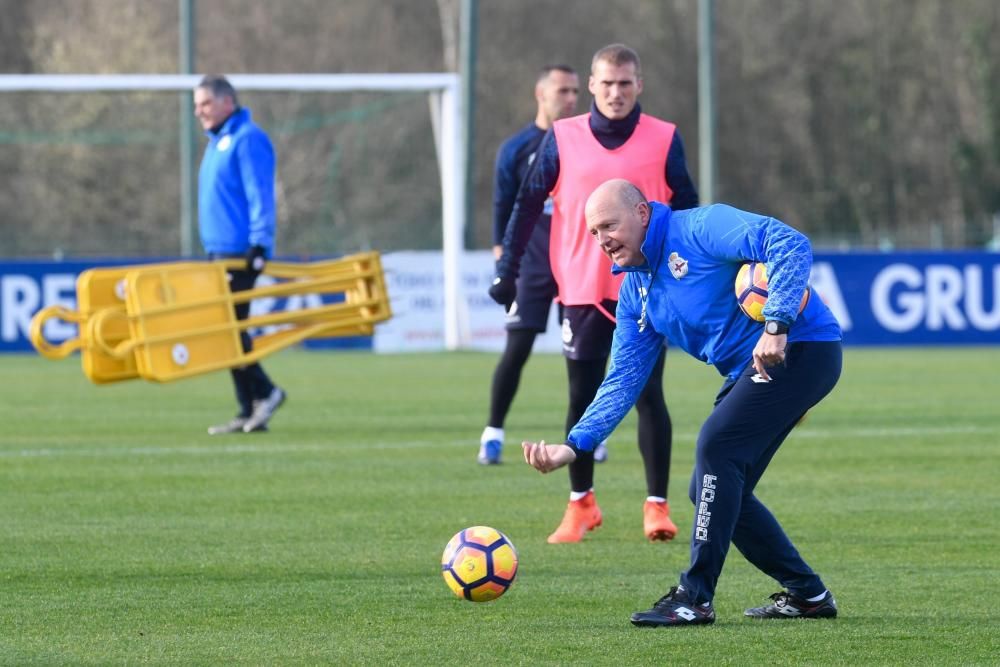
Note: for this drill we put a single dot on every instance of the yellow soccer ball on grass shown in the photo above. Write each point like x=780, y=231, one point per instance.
x=479, y=564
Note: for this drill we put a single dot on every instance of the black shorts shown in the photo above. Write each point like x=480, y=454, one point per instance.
x=530, y=311
x=536, y=288
x=587, y=332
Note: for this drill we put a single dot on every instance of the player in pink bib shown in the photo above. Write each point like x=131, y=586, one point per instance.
x=614, y=140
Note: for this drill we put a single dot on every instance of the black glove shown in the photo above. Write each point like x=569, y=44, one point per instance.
x=503, y=291
x=256, y=258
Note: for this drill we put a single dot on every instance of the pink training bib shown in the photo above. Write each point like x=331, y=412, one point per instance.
x=581, y=270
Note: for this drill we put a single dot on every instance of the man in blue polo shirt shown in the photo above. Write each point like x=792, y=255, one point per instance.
x=236, y=218
x=680, y=270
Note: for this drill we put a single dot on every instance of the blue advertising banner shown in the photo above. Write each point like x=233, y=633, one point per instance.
x=918, y=298
x=27, y=287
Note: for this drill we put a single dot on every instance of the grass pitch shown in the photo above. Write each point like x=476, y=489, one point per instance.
x=131, y=536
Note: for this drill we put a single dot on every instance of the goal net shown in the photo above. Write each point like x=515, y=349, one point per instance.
x=94, y=166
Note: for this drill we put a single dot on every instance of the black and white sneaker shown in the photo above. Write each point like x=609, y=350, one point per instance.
x=787, y=605
x=263, y=410
x=675, y=608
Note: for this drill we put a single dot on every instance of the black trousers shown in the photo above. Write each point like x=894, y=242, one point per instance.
x=736, y=443
x=250, y=382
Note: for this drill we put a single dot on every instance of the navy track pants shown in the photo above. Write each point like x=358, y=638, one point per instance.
x=750, y=421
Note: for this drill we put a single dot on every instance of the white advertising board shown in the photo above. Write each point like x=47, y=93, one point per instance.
x=415, y=281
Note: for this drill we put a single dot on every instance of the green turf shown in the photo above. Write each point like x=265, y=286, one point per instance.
x=129, y=536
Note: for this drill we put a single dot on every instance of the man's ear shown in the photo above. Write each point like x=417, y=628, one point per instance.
x=644, y=212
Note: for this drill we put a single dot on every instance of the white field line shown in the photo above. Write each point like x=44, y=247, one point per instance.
x=893, y=431
x=201, y=450
x=285, y=448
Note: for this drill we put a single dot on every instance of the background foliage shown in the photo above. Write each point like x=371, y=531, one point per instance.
x=862, y=122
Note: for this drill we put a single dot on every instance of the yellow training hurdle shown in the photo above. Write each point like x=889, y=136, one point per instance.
x=168, y=321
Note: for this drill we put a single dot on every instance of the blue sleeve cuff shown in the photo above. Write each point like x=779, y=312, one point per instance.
x=581, y=442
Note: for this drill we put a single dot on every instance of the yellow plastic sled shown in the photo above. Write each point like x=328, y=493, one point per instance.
x=165, y=322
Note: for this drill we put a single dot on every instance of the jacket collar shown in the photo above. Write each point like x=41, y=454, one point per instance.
x=655, y=242
x=240, y=116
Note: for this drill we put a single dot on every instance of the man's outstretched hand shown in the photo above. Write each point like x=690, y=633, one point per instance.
x=546, y=458
x=503, y=291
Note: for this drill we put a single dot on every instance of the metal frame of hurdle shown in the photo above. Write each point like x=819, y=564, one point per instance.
x=169, y=321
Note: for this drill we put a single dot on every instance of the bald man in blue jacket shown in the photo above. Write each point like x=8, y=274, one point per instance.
x=680, y=270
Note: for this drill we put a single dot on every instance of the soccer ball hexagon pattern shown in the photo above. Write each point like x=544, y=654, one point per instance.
x=751, y=290
x=479, y=564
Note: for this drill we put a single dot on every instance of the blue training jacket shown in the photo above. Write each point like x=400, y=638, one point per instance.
x=685, y=293
x=514, y=157
x=236, y=188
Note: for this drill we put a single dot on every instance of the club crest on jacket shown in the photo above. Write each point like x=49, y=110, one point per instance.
x=678, y=265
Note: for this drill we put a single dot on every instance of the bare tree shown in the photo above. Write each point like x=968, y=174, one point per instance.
x=861, y=122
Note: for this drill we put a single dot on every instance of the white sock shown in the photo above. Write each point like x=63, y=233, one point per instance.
x=576, y=495
x=818, y=597
x=655, y=499
x=491, y=433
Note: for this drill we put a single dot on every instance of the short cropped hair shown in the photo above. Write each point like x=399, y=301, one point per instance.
x=631, y=195
x=618, y=55
x=559, y=67
x=220, y=87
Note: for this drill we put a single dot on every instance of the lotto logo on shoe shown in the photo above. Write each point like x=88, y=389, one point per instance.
x=686, y=613
x=788, y=610
x=704, y=516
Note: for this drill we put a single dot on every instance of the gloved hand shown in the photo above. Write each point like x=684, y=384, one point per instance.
x=503, y=291
x=256, y=259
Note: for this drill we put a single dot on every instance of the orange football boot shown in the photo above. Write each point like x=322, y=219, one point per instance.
x=656, y=521
x=581, y=515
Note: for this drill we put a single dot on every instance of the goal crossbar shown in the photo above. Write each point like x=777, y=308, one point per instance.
x=54, y=83
x=445, y=103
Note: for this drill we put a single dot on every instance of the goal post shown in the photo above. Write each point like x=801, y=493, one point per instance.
x=445, y=102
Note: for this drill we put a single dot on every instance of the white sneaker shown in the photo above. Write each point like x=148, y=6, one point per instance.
x=234, y=425
x=490, y=446
x=263, y=410
x=489, y=452
x=601, y=452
